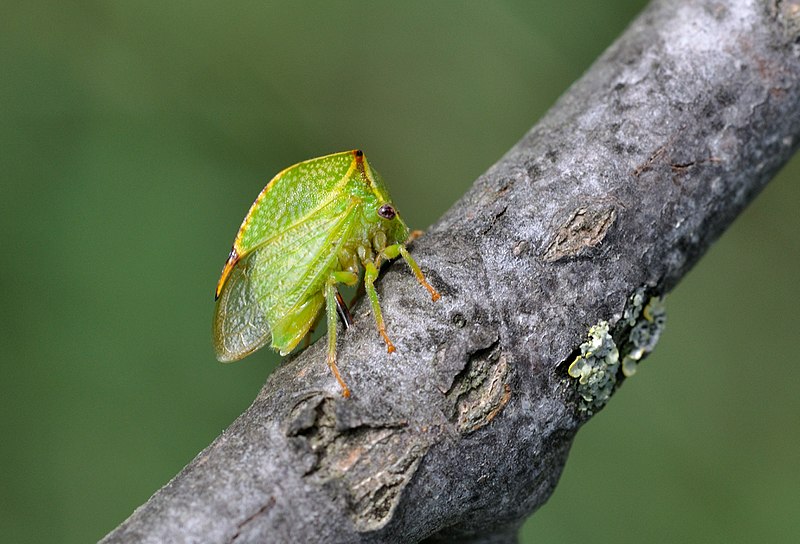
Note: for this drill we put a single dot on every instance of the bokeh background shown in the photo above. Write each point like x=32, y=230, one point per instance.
x=134, y=136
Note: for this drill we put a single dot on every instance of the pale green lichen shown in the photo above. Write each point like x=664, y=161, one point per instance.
x=634, y=307
x=597, y=366
x=646, y=329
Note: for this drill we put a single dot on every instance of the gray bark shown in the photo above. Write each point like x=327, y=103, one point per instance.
x=463, y=432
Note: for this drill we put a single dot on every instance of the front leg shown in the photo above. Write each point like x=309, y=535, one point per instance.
x=392, y=251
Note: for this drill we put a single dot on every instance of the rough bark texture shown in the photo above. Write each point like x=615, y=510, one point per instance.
x=463, y=432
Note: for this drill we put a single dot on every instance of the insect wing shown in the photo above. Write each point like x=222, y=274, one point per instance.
x=293, y=195
x=299, y=263
x=274, y=292
x=240, y=322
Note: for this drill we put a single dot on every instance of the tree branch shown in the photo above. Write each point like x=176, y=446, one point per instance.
x=463, y=432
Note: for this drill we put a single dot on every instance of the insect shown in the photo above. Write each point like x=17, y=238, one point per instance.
x=311, y=228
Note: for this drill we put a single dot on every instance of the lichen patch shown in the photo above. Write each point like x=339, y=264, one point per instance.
x=611, y=354
x=596, y=368
x=647, y=323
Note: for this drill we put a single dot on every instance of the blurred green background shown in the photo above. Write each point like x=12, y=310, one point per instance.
x=134, y=137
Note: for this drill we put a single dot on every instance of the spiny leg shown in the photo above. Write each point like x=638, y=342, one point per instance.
x=418, y=273
x=390, y=252
x=344, y=317
x=330, y=302
x=370, y=275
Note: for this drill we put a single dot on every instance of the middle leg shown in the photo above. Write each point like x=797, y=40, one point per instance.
x=370, y=275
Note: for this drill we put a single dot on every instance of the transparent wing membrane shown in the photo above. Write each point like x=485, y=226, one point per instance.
x=240, y=323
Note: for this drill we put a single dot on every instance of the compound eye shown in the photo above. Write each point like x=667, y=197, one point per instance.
x=387, y=211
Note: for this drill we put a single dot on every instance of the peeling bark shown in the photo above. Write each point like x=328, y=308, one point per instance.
x=463, y=432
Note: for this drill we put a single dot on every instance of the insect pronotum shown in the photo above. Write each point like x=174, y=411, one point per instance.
x=314, y=226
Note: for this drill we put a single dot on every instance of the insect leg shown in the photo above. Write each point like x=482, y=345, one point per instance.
x=370, y=275
x=330, y=300
x=390, y=252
